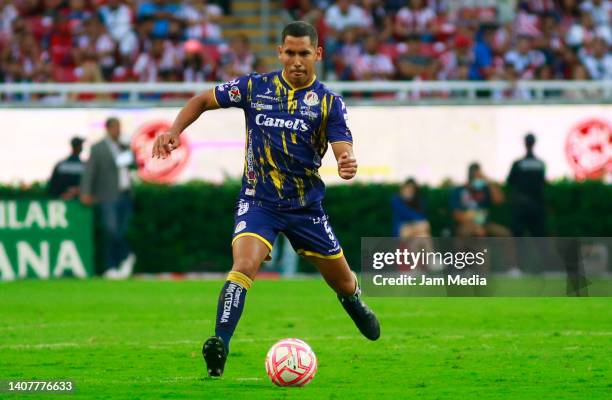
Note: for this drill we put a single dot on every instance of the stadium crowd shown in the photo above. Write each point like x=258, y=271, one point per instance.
x=167, y=40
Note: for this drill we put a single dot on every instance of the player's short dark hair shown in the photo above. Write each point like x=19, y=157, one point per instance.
x=301, y=29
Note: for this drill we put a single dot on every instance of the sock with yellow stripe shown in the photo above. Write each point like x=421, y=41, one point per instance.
x=231, y=303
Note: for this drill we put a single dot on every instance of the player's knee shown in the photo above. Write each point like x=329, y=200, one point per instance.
x=246, y=266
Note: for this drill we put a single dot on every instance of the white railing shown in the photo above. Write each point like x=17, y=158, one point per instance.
x=454, y=92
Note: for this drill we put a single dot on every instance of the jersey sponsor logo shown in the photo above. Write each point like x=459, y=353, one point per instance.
x=268, y=91
x=250, y=159
x=311, y=99
x=588, y=148
x=263, y=96
x=234, y=94
x=261, y=106
x=243, y=207
x=308, y=113
x=249, y=192
x=240, y=227
x=228, y=84
x=296, y=124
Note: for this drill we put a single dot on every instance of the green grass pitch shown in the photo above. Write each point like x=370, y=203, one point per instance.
x=142, y=340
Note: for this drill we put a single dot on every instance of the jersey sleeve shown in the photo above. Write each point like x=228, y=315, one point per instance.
x=337, y=123
x=233, y=93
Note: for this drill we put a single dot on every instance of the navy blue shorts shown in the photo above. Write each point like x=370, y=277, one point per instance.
x=307, y=229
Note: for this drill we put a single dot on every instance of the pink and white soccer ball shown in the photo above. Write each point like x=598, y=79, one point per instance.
x=291, y=362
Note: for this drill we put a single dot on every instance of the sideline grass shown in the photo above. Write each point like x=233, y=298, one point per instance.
x=142, y=340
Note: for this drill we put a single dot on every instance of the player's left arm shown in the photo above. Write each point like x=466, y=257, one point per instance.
x=341, y=139
x=347, y=163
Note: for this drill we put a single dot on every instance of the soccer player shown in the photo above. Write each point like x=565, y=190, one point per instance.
x=290, y=119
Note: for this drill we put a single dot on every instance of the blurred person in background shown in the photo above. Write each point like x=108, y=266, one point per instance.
x=66, y=177
x=8, y=13
x=239, y=60
x=203, y=20
x=340, y=17
x=409, y=211
x=107, y=183
x=524, y=58
x=371, y=64
x=599, y=62
x=601, y=10
x=526, y=180
x=415, y=63
x=470, y=205
x=162, y=13
x=582, y=32
x=158, y=59
x=95, y=42
x=117, y=17
x=482, y=66
x=415, y=18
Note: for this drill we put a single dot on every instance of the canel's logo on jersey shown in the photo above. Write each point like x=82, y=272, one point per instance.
x=297, y=123
x=311, y=99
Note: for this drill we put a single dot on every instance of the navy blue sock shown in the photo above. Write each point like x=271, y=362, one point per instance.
x=230, y=305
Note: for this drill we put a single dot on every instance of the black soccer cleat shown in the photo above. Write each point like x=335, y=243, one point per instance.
x=215, y=355
x=360, y=313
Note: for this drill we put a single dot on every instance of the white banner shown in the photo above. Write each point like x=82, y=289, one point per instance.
x=432, y=144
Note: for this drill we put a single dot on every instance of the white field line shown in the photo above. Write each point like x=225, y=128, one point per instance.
x=171, y=343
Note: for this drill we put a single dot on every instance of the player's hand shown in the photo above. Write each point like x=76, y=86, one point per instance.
x=347, y=166
x=164, y=144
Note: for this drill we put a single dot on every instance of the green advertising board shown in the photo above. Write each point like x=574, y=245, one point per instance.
x=45, y=239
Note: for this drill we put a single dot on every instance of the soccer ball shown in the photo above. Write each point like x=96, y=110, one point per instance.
x=291, y=362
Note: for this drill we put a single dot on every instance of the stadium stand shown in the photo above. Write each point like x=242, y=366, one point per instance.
x=199, y=41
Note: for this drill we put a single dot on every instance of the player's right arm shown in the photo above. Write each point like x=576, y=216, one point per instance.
x=166, y=142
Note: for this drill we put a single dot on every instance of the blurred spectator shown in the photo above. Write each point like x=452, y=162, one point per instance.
x=159, y=59
x=526, y=181
x=107, y=183
x=600, y=10
x=161, y=12
x=202, y=20
x=482, y=67
x=409, y=212
x=344, y=59
x=583, y=32
x=416, y=18
x=599, y=63
x=66, y=176
x=380, y=21
x=372, y=65
x=117, y=18
x=195, y=69
x=345, y=15
x=96, y=40
x=8, y=13
x=238, y=60
x=524, y=59
x=471, y=203
x=414, y=63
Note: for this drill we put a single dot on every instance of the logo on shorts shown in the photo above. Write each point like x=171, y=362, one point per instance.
x=240, y=227
x=243, y=207
x=311, y=99
x=234, y=94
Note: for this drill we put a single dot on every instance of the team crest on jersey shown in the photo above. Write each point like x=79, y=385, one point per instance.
x=234, y=94
x=311, y=99
x=240, y=227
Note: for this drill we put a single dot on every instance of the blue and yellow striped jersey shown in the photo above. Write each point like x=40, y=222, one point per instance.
x=287, y=132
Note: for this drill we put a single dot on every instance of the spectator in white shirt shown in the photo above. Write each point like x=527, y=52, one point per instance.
x=202, y=20
x=524, y=59
x=117, y=18
x=599, y=9
x=584, y=32
x=159, y=59
x=415, y=18
x=344, y=15
x=599, y=63
x=373, y=65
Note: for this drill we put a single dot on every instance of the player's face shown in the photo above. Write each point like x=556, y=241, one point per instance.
x=299, y=57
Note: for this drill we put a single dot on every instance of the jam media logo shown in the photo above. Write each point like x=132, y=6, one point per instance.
x=155, y=169
x=589, y=149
